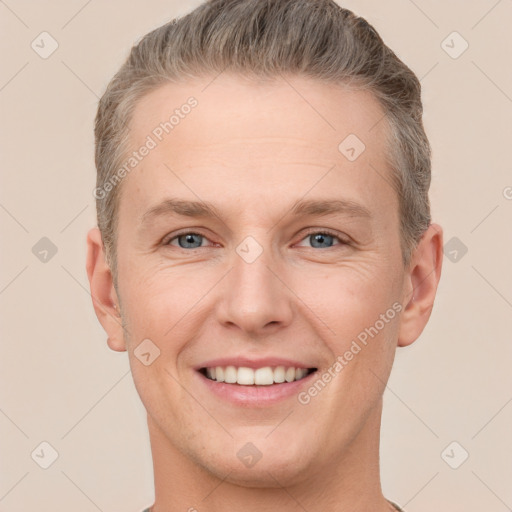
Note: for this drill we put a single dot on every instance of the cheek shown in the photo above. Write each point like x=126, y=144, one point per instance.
x=359, y=326
x=348, y=299
x=157, y=300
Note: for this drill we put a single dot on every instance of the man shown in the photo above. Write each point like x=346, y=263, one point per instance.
x=264, y=245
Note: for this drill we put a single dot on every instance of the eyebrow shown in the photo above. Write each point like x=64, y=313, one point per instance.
x=310, y=207
x=330, y=206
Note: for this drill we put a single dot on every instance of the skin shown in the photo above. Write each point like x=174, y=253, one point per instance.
x=253, y=149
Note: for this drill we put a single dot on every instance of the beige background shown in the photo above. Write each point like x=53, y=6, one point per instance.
x=61, y=384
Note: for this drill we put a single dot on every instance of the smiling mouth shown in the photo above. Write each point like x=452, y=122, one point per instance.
x=265, y=376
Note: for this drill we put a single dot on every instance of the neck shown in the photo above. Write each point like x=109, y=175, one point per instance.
x=349, y=482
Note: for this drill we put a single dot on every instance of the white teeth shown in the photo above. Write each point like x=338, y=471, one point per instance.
x=290, y=375
x=245, y=376
x=279, y=373
x=219, y=374
x=265, y=376
x=299, y=373
x=230, y=374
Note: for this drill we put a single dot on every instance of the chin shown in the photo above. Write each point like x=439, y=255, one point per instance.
x=271, y=470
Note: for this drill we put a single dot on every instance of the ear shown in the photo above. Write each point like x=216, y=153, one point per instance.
x=103, y=293
x=420, y=285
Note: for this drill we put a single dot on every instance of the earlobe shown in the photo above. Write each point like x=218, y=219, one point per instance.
x=103, y=294
x=421, y=285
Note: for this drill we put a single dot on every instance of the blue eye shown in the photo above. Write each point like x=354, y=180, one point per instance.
x=188, y=240
x=323, y=239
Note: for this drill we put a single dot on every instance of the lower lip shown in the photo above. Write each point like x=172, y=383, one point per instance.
x=255, y=396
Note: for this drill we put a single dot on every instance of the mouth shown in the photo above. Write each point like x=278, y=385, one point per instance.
x=263, y=376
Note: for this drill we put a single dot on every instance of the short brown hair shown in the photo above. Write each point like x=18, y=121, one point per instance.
x=267, y=38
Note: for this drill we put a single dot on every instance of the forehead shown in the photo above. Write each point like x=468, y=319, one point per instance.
x=269, y=137
x=231, y=106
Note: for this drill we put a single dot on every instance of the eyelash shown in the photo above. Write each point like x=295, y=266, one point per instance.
x=312, y=231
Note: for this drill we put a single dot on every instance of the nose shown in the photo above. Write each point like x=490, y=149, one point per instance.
x=254, y=296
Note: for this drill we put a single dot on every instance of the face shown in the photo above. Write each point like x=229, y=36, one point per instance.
x=248, y=239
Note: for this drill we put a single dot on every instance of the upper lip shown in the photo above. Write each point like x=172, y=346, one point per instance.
x=253, y=363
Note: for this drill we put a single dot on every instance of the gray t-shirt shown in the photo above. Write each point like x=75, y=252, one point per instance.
x=394, y=505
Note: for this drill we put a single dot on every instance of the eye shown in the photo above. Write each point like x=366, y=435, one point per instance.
x=187, y=240
x=319, y=239
x=323, y=239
